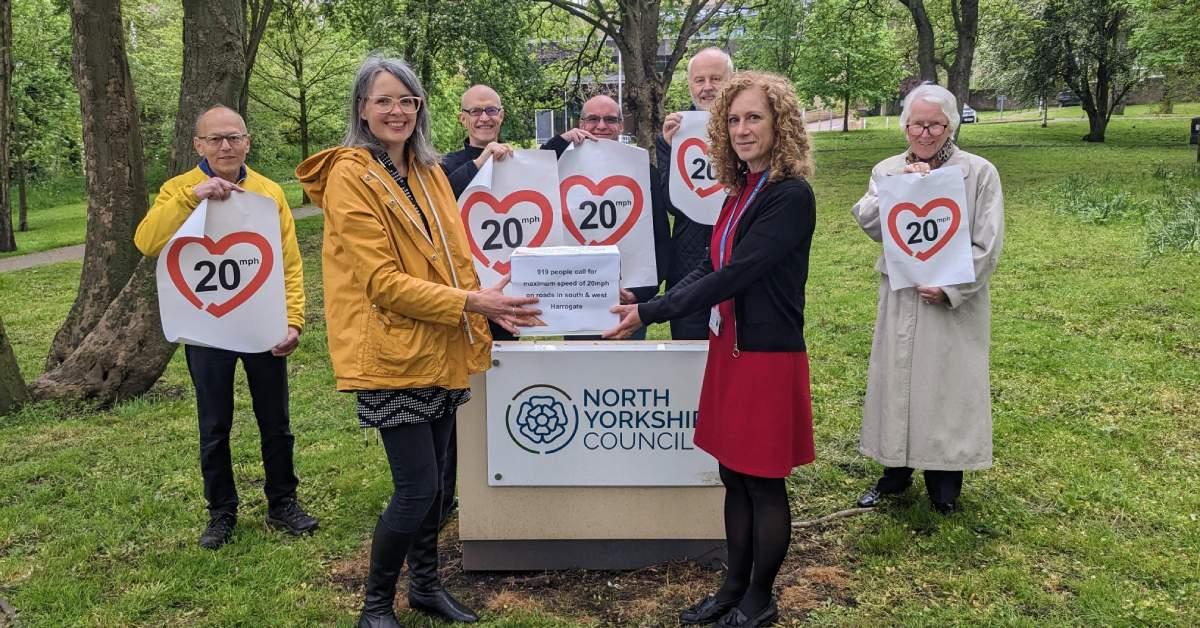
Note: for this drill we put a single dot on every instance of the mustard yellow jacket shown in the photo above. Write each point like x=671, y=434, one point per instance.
x=394, y=294
x=175, y=203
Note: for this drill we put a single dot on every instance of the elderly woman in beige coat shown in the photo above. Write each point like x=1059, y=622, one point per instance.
x=928, y=402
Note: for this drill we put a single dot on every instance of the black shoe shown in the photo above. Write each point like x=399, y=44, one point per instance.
x=874, y=495
x=290, y=517
x=388, y=549
x=706, y=611
x=425, y=590
x=219, y=531
x=945, y=508
x=439, y=602
x=737, y=619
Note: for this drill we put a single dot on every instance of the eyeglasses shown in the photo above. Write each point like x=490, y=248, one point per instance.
x=934, y=130
x=385, y=104
x=235, y=141
x=475, y=112
x=609, y=120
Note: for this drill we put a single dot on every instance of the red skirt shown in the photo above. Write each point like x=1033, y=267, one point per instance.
x=755, y=409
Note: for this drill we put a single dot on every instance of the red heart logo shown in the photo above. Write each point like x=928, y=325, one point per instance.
x=502, y=207
x=681, y=162
x=217, y=249
x=598, y=190
x=943, y=237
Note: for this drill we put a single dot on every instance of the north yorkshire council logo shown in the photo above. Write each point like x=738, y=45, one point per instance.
x=542, y=419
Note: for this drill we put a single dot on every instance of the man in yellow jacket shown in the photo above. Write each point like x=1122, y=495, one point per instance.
x=222, y=142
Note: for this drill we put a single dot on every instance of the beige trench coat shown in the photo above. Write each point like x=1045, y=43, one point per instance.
x=928, y=402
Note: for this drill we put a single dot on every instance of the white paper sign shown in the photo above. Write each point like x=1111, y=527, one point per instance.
x=692, y=183
x=576, y=286
x=596, y=414
x=605, y=194
x=926, y=229
x=510, y=204
x=220, y=277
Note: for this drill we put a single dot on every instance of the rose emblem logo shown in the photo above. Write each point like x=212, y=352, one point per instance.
x=542, y=419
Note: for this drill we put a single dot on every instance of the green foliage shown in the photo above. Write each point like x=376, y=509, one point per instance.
x=45, y=106
x=846, y=53
x=1093, y=201
x=1174, y=225
x=154, y=47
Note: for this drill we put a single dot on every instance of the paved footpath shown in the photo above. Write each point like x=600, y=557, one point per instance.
x=72, y=253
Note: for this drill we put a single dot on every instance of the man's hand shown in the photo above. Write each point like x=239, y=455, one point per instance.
x=289, y=344
x=631, y=321
x=216, y=187
x=627, y=297
x=671, y=125
x=494, y=149
x=577, y=136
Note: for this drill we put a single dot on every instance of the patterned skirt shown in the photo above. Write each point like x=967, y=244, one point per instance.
x=406, y=406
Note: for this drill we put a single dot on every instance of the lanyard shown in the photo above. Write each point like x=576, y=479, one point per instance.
x=733, y=220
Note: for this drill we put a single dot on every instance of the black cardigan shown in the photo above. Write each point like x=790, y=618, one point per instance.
x=765, y=276
x=459, y=167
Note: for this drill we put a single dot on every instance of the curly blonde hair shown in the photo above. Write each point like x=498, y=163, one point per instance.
x=791, y=155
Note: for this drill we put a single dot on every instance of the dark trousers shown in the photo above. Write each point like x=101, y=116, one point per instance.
x=212, y=373
x=417, y=455
x=943, y=486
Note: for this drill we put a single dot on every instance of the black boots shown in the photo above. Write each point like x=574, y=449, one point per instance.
x=388, y=549
x=425, y=591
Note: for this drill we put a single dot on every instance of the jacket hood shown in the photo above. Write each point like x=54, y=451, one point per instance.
x=314, y=172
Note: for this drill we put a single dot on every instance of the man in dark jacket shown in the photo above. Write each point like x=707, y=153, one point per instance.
x=707, y=72
x=601, y=119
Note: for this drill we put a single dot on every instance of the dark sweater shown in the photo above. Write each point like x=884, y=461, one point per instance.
x=765, y=276
x=459, y=166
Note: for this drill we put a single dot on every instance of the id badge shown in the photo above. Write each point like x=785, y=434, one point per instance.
x=714, y=321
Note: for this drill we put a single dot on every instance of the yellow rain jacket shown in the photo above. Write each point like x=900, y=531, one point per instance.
x=175, y=203
x=394, y=293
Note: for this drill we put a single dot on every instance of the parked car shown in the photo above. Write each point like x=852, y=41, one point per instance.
x=968, y=114
x=1067, y=98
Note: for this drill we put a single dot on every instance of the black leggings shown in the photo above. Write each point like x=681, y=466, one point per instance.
x=417, y=455
x=758, y=530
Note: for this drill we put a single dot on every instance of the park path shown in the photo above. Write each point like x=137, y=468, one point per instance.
x=75, y=252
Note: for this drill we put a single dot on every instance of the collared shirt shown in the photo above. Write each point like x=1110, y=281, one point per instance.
x=206, y=169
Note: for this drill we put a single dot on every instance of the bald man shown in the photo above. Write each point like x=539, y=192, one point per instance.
x=222, y=143
x=601, y=119
x=707, y=72
x=482, y=115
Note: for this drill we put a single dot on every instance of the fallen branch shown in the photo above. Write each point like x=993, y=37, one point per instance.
x=841, y=514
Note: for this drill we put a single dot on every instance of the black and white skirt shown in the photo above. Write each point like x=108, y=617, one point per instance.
x=407, y=406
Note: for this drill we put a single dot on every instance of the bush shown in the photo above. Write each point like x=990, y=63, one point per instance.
x=1174, y=225
x=1093, y=201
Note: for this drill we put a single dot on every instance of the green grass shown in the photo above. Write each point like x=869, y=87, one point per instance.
x=1089, y=517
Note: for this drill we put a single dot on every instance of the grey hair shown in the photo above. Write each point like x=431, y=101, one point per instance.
x=358, y=134
x=725, y=55
x=937, y=95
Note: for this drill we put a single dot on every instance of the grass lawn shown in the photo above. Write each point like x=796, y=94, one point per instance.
x=1089, y=517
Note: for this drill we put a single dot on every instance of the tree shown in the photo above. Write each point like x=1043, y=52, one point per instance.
x=772, y=36
x=8, y=240
x=258, y=14
x=123, y=352
x=1168, y=42
x=847, y=54
x=12, y=386
x=957, y=57
x=1092, y=55
x=1022, y=62
x=305, y=71
x=637, y=28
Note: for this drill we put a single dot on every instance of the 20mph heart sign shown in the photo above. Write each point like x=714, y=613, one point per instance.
x=691, y=182
x=220, y=278
x=926, y=229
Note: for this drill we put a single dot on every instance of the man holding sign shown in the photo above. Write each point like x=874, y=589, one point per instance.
x=222, y=142
x=601, y=119
x=707, y=72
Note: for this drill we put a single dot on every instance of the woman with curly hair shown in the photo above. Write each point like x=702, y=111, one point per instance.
x=755, y=408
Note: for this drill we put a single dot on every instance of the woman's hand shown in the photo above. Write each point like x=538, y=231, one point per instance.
x=932, y=296
x=507, y=312
x=918, y=167
x=631, y=321
x=494, y=149
x=627, y=297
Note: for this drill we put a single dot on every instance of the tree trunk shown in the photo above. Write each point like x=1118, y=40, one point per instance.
x=12, y=386
x=846, y=113
x=303, y=134
x=116, y=185
x=644, y=89
x=8, y=239
x=258, y=13
x=125, y=353
x=22, y=198
x=925, y=39
x=213, y=74
x=966, y=26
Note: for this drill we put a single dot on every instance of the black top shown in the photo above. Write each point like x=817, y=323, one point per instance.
x=658, y=217
x=765, y=276
x=459, y=166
